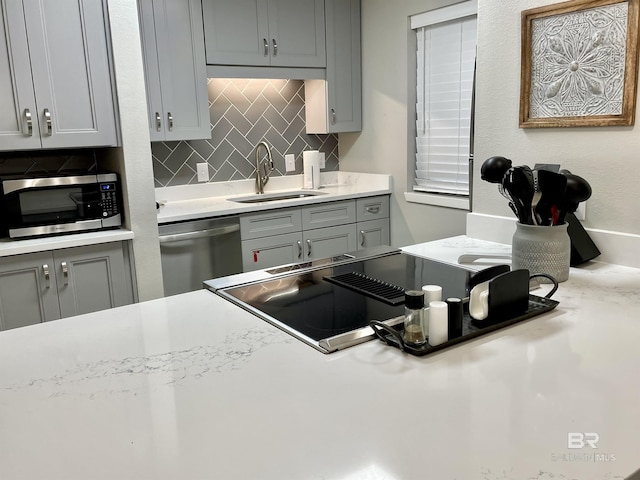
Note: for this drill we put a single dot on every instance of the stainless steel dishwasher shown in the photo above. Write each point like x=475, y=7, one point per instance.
x=199, y=250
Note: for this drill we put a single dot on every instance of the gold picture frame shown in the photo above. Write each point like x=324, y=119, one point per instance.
x=579, y=64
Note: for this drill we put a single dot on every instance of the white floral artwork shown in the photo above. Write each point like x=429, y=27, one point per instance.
x=578, y=63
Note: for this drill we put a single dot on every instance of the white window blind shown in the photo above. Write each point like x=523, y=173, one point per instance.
x=446, y=49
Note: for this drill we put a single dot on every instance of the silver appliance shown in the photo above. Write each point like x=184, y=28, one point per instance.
x=64, y=203
x=194, y=251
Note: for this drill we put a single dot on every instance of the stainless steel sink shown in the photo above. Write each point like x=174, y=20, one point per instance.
x=272, y=197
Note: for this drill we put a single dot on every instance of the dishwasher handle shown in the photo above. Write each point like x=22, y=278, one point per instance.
x=211, y=232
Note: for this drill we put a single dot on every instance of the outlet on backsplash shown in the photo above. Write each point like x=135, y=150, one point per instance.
x=203, y=171
x=290, y=162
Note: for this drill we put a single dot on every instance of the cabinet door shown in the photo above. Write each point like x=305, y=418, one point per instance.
x=297, y=33
x=71, y=76
x=27, y=290
x=17, y=101
x=335, y=105
x=373, y=233
x=236, y=32
x=92, y=278
x=330, y=241
x=175, y=69
x=271, y=251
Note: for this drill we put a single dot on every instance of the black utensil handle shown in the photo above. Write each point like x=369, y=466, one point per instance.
x=377, y=326
x=549, y=277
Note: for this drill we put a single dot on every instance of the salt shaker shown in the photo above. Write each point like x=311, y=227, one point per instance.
x=413, y=328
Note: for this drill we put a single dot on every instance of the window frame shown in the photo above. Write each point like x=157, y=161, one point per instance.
x=444, y=14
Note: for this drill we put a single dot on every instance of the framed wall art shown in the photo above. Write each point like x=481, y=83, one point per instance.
x=579, y=64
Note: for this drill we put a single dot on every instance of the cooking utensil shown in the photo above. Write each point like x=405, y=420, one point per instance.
x=517, y=186
x=537, y=195
x=553, y=186
x=494, y=168
x=577, y=190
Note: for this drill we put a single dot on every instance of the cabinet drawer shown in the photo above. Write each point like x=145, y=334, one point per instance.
x=328, y=214
x=273, y=222
x=373, y=233
x=372, y=208
x=259, y=253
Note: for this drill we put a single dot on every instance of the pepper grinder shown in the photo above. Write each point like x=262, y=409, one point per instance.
x=413, y=329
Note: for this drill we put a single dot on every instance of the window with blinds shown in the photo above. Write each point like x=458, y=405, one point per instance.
x=446, y=50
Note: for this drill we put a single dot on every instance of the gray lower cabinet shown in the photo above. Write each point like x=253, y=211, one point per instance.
x=276, y=33
x=289, y=235
x=43, y=286
x=55, y=80
x=175, y=69
x=335, y=105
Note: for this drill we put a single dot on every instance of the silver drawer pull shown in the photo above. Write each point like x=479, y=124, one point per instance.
x=266, y=47
x=299, y=248
x=362, y=238
x=170, y=121
x=308, y=248
x=47, y=278
x=275, y=47
x=373, y=209
x=47, y=119
x=65, y=272
x=158, y=122
x=29, y=120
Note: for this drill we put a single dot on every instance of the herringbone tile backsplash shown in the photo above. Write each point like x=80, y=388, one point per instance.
x=244, y=112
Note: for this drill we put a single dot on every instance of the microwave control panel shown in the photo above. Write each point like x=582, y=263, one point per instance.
x=108, y=198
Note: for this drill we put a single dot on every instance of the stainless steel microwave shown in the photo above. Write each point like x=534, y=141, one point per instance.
x=31, y=207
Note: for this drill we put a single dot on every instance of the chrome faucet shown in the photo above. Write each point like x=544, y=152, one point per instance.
x=262, y=179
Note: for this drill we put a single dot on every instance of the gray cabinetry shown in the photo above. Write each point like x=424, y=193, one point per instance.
x=289, y=235
x=43, y=286
x=373, y=221
x=335, y=105
x=175, y=69
x=277, y=33
x=55, y=83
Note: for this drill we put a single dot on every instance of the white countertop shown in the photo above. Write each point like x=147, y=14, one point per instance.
x=190, y=202
x=192, y=387
x=41, y=244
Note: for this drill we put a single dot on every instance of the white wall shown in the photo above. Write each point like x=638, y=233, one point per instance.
x=608, y=157
x=381, y=147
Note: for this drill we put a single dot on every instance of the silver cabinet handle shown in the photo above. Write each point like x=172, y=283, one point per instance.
x=373, y=208
x=47, y=119
x=65, y=272
x=170, y=121
x=266, y=47
x=333, y=116
x=308, y=248
x=29, y=120
x=158, y=122
x=275, y=47
x=362, y=238
x=47, y=278
x=299, y=248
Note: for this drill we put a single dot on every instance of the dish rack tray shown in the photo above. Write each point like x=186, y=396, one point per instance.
x=470, y=328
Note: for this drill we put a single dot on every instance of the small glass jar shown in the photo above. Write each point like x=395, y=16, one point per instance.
x=413, y=327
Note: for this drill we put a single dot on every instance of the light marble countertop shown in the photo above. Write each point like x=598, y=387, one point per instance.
x=206, y=200
x=192, y=387
x=41, y=244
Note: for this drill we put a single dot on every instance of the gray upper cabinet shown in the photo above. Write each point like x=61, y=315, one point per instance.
x=335, y=105
x=55, y=81
x=175, y=69
x=276, y=33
